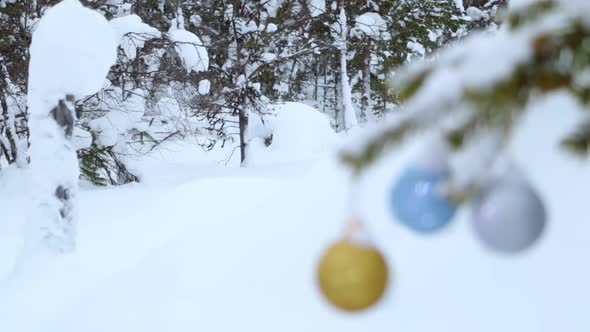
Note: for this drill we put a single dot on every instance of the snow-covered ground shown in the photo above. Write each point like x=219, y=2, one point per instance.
x=201, y=246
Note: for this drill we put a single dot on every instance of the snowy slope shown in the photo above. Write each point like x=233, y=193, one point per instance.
x=215, y=248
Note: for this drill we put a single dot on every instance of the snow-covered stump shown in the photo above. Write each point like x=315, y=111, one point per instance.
x=55, y=171
x=72, y=51
x=61, y=236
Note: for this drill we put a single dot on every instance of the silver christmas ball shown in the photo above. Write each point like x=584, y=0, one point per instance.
x=509, y=216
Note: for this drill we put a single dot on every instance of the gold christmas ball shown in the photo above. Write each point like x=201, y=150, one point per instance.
x=352, y=276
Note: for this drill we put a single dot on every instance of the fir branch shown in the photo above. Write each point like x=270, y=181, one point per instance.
x=500, y=102
x=578, y=142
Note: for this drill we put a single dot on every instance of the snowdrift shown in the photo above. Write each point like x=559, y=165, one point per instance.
x=296, y=132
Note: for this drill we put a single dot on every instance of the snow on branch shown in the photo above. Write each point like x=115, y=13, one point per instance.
x=133, y=33
x=542, y=49
x=190, y=49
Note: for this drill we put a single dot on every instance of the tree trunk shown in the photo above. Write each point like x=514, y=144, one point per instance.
x=316, y=74
x=348, y=116
x=325, y=86
x=8, y=127
x=366, y=105
x=242, y=105
x=338, y=105
x=243, y=124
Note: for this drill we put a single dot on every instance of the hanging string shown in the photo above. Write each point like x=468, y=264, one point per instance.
x=354, y=228
x=352, y=220
x=353, y=198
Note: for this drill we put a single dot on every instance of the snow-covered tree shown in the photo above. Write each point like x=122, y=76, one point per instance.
x=16, y=21
x=72, y=50
x=251, y=45
x=347, y=118
x=370, y=28
x=151, y=91
x=387, y=34
x=288, y=50
x=482, y=14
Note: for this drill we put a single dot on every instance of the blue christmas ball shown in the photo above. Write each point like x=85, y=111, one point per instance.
x=418, y=202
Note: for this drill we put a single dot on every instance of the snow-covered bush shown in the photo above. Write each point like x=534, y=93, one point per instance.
x=148, y=99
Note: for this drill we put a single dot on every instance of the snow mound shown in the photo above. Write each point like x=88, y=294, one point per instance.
x=70, y=61
x=371, y=24
x=204, y=87
x=299, y=132
x=115, y=127
x=190, y=49
x=317, y=7
x=272, y=7
x=81, y=138
x=475, y=13
x=133, y=33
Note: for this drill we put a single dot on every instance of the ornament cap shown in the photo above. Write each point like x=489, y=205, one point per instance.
x=355, y=233
x=508, y=174
x=513, y=173
x=434, y=155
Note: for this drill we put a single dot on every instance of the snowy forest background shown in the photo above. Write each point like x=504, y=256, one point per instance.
x=221, y=149
x=252, y=55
